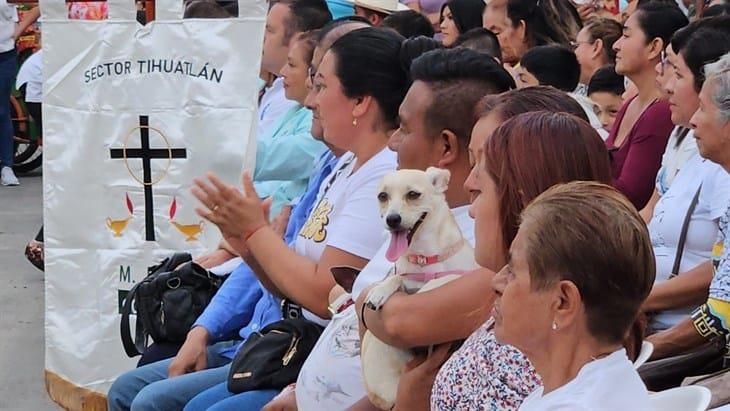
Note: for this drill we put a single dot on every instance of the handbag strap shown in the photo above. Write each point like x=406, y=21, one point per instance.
x=136, y=347
x=683, y=234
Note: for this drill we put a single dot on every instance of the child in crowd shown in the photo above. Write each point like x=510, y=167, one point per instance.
x=605, y=90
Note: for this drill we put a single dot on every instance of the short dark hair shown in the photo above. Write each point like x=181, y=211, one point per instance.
x=467, y=14
x=524, y=100
x=705, y=46
x=304, y=15
x=607, y=80
x=414, y=47
x=565, y=224
x=717, y=10
x=368, y=64
x=409, y=23
x=205, y=9
x=682, y=36
x=553, y=65
x=608, y=31
x=481, y=40
x=660, y=20
x=458, y=78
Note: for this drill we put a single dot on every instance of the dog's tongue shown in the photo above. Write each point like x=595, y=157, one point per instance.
x=398, y=245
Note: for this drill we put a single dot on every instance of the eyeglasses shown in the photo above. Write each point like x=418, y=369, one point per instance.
x=311, y=71
x=574, y=44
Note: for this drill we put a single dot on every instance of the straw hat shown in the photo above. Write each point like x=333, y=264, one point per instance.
x=383, y=6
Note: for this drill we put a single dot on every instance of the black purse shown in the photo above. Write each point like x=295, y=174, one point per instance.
x=167, y=302
x=272, y=358
x=666, y=373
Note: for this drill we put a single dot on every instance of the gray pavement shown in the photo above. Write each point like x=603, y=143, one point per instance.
x=21, y=301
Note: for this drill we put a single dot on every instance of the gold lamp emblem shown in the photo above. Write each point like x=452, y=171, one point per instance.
x=118, y=226
x=190, y=231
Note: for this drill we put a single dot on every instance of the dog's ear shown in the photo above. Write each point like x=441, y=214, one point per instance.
x=439, y=178
x=345, y=276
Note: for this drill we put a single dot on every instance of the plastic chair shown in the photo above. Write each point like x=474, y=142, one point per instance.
x=647, y=349
x=690, y=398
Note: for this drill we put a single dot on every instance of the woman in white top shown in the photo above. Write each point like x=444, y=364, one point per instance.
x=578, y=270
x=359, y=86
x=672, y=301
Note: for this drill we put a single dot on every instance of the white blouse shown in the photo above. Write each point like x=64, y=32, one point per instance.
x=606, y=384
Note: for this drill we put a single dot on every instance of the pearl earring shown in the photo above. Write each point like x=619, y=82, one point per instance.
x=555, y=326
x=354, y=122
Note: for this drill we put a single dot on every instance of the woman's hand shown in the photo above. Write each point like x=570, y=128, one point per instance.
x=586, y=11
x=414, y=386
x=237, y=215
x=285, y=401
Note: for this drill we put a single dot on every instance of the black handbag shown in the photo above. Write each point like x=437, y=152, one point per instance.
x=167, y=302
x=272, y=358
x=666, y=373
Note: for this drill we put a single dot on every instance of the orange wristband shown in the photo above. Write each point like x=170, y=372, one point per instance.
x=252, y=232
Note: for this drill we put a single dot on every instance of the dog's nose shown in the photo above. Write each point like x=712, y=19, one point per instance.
x=393, y=220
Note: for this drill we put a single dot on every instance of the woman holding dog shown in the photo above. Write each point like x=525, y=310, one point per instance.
x=359, y=86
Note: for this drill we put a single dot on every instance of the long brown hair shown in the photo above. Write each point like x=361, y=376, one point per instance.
x=533, y=151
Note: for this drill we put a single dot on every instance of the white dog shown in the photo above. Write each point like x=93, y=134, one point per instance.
x=428, y=250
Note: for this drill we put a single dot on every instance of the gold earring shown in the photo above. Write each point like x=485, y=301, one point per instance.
x=354, y=122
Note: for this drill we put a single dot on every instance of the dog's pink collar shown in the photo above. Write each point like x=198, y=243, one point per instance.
x=426, y=260
x=428, y=276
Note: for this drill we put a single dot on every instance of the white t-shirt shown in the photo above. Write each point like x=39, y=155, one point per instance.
x=674, y=158
x=666, y=224
x=8, y=18
x=607, y=384
x=31, y=72
x=273, y=105
x=331, y=377
x=347, y=212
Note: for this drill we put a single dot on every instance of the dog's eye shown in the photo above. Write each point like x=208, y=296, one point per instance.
x=383, y=197
x=413, y=195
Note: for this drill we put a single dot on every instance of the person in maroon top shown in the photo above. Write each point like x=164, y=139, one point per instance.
x=642, y=127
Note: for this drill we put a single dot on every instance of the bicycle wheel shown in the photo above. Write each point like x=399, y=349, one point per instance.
x=27, y=155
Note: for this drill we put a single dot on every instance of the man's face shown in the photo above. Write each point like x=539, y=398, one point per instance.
x=415, y=144
x=275, y=46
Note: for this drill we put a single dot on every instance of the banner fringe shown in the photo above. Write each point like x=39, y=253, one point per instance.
x=71, y=397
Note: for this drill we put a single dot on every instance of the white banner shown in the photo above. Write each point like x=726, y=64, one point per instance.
x=131, y=114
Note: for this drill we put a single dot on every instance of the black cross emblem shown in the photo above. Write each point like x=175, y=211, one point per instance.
x=146, y=154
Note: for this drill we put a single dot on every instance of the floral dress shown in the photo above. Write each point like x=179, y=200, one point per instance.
x=83, y=10
x=484, y=375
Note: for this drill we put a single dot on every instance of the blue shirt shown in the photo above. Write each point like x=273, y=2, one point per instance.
x=340, y=8
x=230, y=310
x=285, y=158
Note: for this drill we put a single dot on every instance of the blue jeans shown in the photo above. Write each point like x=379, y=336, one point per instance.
x=8, y=69
x=148, y=388
x=218, y=398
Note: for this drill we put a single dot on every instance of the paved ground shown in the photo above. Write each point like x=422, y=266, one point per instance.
x=21, y=301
